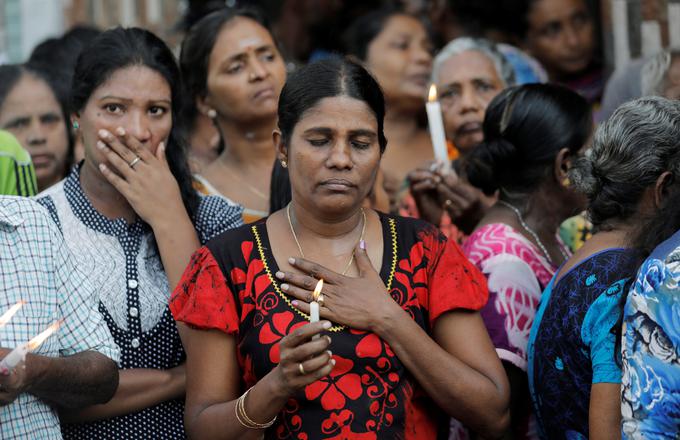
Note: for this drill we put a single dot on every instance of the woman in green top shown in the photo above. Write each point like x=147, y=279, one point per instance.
x=17, y=176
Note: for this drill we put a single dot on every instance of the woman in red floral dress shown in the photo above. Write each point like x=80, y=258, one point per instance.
x=402, y=345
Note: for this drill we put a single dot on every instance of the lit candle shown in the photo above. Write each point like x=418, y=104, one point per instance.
x=314, y=305
x=18, y=355
x=4, y=319
x=436, y=124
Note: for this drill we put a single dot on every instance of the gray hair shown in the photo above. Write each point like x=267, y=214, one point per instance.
x=639, y=142
x=655, y=70
x=455, y=47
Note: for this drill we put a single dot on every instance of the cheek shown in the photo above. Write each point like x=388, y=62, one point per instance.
x=226, y=94
x=58, y=140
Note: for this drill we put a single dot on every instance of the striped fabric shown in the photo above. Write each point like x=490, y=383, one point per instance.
x=17, y=176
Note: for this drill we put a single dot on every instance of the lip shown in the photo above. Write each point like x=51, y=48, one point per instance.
x=340, y=185
x=265, y=93
x=42, y=160
x=470, y=127
x=422, y=79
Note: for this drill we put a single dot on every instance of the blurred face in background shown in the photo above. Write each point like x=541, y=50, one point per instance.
x=672, y=82
x=466, y=83
x=400, y=58
x=245, y=72
x=33, y=115
x=561, y=36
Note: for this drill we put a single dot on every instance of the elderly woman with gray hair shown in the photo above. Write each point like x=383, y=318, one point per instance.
x=468, y=73
x=574, y=366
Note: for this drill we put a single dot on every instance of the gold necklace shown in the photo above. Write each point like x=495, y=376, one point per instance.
x=361, y=237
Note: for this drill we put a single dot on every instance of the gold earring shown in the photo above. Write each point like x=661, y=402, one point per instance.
x=566, y=182
x=284, y=164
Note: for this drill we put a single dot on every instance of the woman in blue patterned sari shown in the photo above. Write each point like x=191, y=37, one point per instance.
x=574, y=367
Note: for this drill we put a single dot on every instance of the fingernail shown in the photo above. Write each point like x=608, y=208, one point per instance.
x=330, y=353
x=294, y=303
x=291, y=260
x=279, y=275
x=120, y=131
x=284, y=286
x=326, y=325
x=332, y=361
x=362, y=244
x=101, y=145
x=103, y=133
x=161, y=146
x=329, y=339
x=102, y=167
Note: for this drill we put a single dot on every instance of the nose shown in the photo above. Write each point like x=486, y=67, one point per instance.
x=138, y=126
x=36, y=135
x=571, y=37
x=421, y=56
x=469, y=101
x=339, y=156
x=258, y=71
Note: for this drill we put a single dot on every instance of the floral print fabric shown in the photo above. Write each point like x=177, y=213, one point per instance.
x=651, y=348
x=370, y=394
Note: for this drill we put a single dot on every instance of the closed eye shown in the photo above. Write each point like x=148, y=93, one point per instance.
x=318, y=142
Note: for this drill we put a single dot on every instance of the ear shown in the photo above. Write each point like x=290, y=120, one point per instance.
x=202, y=105
x=662, y=188
x=562, y=166
x=279, y=145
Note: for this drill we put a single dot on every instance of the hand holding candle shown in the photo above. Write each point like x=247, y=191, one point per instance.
x=18, y=355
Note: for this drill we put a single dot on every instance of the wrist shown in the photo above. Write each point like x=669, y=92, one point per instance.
x=169, y=221
x=390, y=317
x=37, y=368
x=275, y=387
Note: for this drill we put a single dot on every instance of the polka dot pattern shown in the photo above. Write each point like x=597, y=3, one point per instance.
x=134, y=292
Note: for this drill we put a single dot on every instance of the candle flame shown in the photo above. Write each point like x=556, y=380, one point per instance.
x=432, y=94
x=317, y=290
x=4, y=319
x=36, y=341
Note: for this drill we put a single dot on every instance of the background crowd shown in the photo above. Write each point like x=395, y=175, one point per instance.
x=174, y=207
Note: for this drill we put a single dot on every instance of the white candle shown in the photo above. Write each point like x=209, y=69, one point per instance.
x=17, y=355
x=436, y=124
x=314, y=305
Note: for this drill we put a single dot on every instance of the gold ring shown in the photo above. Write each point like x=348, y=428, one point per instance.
x=302, y=369
x=134, y=162
x=448, y=202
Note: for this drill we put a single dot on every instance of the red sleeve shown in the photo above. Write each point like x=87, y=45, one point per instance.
x=455, y=283
x=202, y=298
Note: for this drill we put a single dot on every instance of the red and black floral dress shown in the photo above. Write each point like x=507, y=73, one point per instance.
x=230, y=286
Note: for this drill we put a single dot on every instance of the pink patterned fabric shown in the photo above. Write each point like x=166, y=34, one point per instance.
x=517, y=272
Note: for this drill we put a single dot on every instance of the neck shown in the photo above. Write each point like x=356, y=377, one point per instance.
x=401, y=125
x=248, y=144
x=307, y=222
x=104, y=197
x=540, y=214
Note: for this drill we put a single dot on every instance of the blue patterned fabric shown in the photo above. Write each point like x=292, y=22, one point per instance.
x=651, y=348
x=36, y=266
x=572, y=342
x=123, y=263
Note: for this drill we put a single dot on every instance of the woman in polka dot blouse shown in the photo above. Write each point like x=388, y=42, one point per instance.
x=131, y=217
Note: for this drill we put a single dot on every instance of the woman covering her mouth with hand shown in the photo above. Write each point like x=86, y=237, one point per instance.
x=402, y=342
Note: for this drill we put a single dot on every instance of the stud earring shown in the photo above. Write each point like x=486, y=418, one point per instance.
x=76, y=125
x=284, y=164
x=212, y=114
x=566, y=182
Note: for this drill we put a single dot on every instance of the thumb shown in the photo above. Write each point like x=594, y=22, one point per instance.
x=363, y=262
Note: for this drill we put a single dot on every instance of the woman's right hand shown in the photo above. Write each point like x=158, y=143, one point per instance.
x=423, y=185
x=298, y=348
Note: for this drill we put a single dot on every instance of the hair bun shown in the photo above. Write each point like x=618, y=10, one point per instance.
x=490, y=163
x=584, y=176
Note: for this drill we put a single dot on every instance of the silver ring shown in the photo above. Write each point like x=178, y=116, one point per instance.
x=448, y=203
x=134, y=162
x=302, y=369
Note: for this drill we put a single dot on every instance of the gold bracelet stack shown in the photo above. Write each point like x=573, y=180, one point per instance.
x=243, y=418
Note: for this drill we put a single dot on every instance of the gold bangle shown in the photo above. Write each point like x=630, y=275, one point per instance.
x=243, y=418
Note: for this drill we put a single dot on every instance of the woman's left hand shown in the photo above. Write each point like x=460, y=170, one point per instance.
x=143, y=178
x=360, y=303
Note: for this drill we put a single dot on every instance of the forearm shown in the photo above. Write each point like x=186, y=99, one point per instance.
x=177, y=241
x=461, y=391
x=76, y=381
x=218, y=420
x=138, y=389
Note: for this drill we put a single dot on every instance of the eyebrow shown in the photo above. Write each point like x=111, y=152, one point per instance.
x=17, y=120
x=127, y=100
x=243, y=55
x=328, y=131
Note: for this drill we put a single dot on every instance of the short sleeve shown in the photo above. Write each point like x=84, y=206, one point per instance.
x=454, y=282
x=596, y=333
x=216, y=215
x=202, y=298
x=83, y=327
